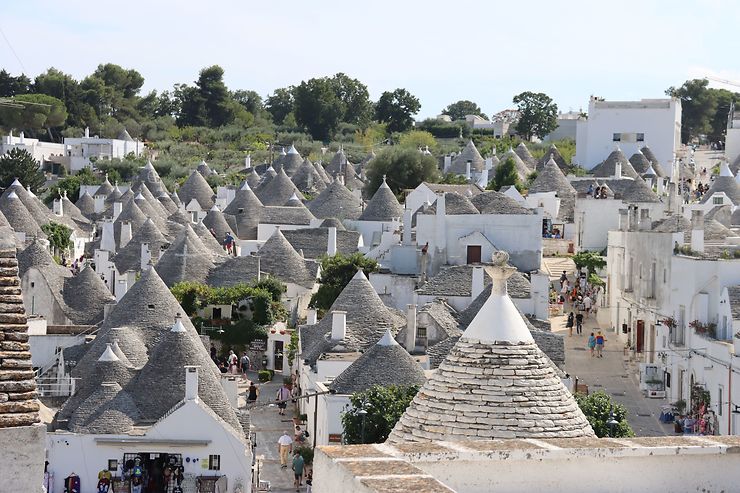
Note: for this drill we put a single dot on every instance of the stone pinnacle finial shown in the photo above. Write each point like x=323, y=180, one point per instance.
x=500, y=271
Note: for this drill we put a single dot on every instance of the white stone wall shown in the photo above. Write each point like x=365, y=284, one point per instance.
x=22, y=458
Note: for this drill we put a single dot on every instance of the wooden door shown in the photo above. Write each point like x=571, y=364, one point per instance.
x=474, y=254
x=640, y=342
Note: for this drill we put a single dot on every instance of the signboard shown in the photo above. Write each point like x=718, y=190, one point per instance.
x=258, y=345
x=335, y=438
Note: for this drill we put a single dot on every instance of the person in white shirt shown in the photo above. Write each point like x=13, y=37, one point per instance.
x=285, y=447
x=587, y=304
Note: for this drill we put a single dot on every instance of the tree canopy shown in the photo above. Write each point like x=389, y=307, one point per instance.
x=403, y=168
x=384, y=406
x=462, y=108
x=19, y=163
x=33, y=112
x=704, y=110
x=505, y=175
x=598, y=408
x=397, y=108
x=538, y=114
x=336, y=273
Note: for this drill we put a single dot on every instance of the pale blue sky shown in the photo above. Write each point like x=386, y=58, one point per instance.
x=441, y=51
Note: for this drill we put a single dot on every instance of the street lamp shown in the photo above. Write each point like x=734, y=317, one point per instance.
x=611, y=422
x=362, y=412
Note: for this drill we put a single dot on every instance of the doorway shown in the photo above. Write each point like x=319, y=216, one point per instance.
x=640, y=337
x=474, y=254
x=278, y=366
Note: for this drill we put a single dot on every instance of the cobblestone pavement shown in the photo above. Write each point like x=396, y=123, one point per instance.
x=269, y=426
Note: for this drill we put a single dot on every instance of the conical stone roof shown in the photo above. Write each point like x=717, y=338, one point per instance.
x=608, y=167
x=521, y=168
x=333, y=222
x=338, y=163
x=383, y=206
x=19, y=218
x=639, y=162
x=292, y=161
x=385, y=363
x=215, y=221
x=279, y=259
x=322, y=172
x=551, y=179
x=336, y=201
x=131, y=213
x=639, y=191
x=246, y=209
x=553, y=152
x=187, y=259
x=253, y=179
x=212, y=244
x=18, y=386
x=40, y=213
x=725, y=182
x=128, y=258
x=152, y=200
x=523, y=152
x=469, y=153
x=110, y=410
x=168, y=204
x=278, y=190
x=196, y=187
x=86, y=295
x=367, y=319
x=150, y=212
x=496, y=376
x=86, y=205
x=105, y=188
x=307, y=179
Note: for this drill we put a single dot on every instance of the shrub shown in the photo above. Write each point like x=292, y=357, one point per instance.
x=306, y=452
x=264, y=376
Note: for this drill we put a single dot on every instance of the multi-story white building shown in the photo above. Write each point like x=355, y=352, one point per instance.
x=631, y=125
x=674, y=291
x=81, y=149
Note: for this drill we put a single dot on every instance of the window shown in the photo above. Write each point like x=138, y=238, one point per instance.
x=665, y=276
x=214, y=462
x=720, y=399
x=617, y=137
x=651, y=294
x=717, y=200
x=421, y=332
x=640, y=137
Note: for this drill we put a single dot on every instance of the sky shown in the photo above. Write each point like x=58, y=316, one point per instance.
x=441, y=51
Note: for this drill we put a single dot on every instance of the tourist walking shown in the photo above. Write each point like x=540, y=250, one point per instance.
x=298, y=464
x=285, y=447
x=233, y=362
x=587, y=302
x=283, y=395
x=600, y=339
x=569, y=323
x=579, y=323
x=591, y=343
x=245, y=364
x=563, y=278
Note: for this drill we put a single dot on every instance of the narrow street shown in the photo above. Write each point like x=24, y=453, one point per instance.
x=269, y=426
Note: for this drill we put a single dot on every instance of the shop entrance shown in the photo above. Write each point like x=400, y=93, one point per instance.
x=157, y=471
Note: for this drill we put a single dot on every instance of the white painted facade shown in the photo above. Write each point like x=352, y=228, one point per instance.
x=732, y=138
x=87, y=454
x=40, y=150
x=631, y=125
x=79, y=150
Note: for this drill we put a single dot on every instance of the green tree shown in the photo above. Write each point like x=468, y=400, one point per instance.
x=397, y=108
x=591, y=261
x=71, y=185
x=19, y=163
x=208, y=103
x=505, y=175
x=724, y=99
x=12, y=86
x=698, y=107
x=403, y=168
x=355, y=99
x=336, y=272
x=59, y=236
x=280, y=104
x=318, y=108
x=460, y=109
x=598, y=408
x=538, y=114
x=418, y=139
x=249, y=100
x=384, y=406
x=31, y=112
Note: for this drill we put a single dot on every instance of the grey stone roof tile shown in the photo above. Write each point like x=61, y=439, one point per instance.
x=233, y=271
x=492, y=202
x=278, y=190
x=469, y=153
x=553, y=152
x=383, y=206
x=280, y=260
x=187, y=259
x=336, y=201
x=314, y=241
x=607, y=167
x=457, y=280
x=196, y=187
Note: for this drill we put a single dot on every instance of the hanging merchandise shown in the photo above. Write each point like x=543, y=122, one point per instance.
x=72, y=484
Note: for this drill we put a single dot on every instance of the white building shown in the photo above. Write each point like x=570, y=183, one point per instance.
x=632, y=125
x=674, y=301
x=732, y=139
x=40, y=150
x=567, y=127
x=79, y=150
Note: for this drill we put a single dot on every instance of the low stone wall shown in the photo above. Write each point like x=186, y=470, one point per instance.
x=553, y=246
x=572, y=465
x=22, y=458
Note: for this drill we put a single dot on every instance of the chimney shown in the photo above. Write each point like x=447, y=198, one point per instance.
x=441, y=223
x=661, y=185
x=338, y=325
x=191, y=383
x=331, y=247
x=697, y=231
x=407, y=215
x=468, y=165
x=248, y=161
x=311, y=316
x=489, y=163
x=146, y=256
x=447, y=163
x=121, y=287
x=107, y=308
x=99, y=203
x=618, y=171
x=125, y=233
x=87, y=132
x=623, y=220
x=645, y=223
x=22, y=137
x=107, y=240
x=117, y=208
x=410, y=328
x=477, y=285
x=57, y=207
x=633, y=217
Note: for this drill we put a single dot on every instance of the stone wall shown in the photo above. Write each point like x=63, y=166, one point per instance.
x=22, y=458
